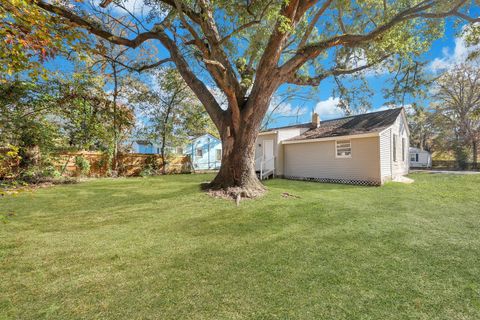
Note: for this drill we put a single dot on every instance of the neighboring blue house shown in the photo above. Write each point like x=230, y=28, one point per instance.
x=146, y=147
x=141, y=145
x=205, y=152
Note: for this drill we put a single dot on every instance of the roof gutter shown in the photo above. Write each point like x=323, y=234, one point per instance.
x=352, y=136
x=264, y=133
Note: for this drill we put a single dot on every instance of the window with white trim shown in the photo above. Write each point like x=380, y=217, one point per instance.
x=403, y=149
x=343, y=149
x=412, y=157
x=199, y=152
x=219, y=155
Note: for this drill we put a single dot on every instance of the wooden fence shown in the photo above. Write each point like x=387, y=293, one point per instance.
x=128, y=164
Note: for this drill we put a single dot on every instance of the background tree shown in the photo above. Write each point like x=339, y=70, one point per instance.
x=422, y=126
x=43, y=117
x=86, y=112
x=458, y=106
x=248, y=49
x=118, y=65
x=25, y=108
x=29, y=36
x=172, y=112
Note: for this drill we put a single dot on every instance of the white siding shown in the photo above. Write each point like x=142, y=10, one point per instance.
x=278, y=149
x=386, y=155
x=390, y=167
x=284, y=134
x=400, y=166
x=317, y=160
x=259, y=147
x=424, y=158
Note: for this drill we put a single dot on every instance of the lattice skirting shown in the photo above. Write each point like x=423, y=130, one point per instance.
x=339, y=180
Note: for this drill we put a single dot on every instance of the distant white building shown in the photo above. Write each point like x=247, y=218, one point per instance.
x=420, y=158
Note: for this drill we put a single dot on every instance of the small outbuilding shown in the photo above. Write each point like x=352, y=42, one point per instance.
x=420, y=158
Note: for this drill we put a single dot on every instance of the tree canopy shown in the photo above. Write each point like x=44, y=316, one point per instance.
x=248, y=49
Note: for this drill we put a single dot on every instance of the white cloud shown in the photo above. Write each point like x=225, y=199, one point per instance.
x=329, y=109
x=135, y=7
x=360, y=59
x=278, y=108
x=459, y=55
x=132, y=5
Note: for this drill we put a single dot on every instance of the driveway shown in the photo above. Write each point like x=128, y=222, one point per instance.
x=445, y=172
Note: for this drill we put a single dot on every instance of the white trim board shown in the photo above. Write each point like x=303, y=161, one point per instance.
x=265, y=133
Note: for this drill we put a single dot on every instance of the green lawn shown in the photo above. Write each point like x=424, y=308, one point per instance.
x=158, y=248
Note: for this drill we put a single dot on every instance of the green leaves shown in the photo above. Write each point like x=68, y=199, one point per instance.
x=29, y=37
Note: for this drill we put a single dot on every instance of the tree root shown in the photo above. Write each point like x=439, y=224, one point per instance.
x=235, y=193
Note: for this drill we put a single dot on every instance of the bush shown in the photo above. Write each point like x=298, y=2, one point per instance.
x=50, y=172
x=82, y=164
x=9, y=162
x=151, y=167
x=147, y=171
x=461, y=155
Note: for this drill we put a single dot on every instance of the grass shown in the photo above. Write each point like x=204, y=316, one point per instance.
x=158, y=248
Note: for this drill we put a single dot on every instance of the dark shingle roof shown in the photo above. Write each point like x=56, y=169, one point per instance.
x=357, y=124
x=300, y=125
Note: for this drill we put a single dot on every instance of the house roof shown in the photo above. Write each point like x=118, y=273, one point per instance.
x=208, y=135
x=293, y=126
x=352, y=125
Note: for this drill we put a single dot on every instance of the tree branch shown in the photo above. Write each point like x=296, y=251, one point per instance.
x=315, y=81
x=311, y=51
x=93, y=28
x=314, y=21
x=139, y=68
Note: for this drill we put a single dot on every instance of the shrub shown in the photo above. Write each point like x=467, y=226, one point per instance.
x=148, y=170
x=461, y=155
x=9, y=162
x=82, y=164
x=50, y=172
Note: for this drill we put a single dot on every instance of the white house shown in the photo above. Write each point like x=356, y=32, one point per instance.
x=420, y=158
x=365, y=149
x=205, y=152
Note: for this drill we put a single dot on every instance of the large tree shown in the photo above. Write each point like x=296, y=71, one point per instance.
x=248, y=49
x=422, y=127
x=458, y=105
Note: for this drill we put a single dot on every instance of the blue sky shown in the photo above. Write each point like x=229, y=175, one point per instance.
x=443, y=53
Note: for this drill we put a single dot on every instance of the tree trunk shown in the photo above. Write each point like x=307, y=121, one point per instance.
x=475, y=155
x=237, y=174
x=162, y=154
x=115, y=131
